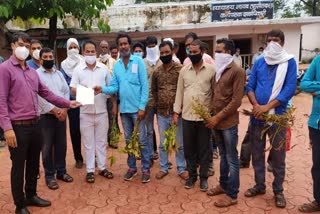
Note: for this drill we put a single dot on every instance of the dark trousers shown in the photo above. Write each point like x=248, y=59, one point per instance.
x=277, y=155
x=110, y=117
x=54, y=146
x=314, y=135
x=1, y=134
x=246, y=148
x=197, y=147
x=25, y=162
x=74, y=125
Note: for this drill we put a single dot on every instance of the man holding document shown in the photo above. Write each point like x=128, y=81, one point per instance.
x=93, y=113
x=130, y=81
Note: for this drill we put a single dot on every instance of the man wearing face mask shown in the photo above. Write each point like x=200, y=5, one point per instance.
x=67, y=69
x=152, y=62
x=19, y=87
x=189, y=38
x=195, y=82
x=53, y=122
x=237, y=58
x=271, y=85
x=130, y=81
x=93, y=118
x=138, y=49
x=227, y=95
x=164, y=86
x=35, y=47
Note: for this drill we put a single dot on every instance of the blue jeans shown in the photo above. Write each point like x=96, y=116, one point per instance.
x=149, y=121
x=227, y=141
x=128, y=121
x=277, y=155
x=164, y=123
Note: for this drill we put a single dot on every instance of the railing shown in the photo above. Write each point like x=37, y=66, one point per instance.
x=246, y=59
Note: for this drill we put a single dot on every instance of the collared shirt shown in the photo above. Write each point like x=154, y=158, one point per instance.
x=150, y=69
x=82, y=75
x=32, y=64
x=193, y=85
x=131, y=83
x=237, y=60
x=164, y=88
x=227, y=96
x=261, y=82
x=311, y=83
x=56, y=83
x=109, y=63
x=206, y=58
x=18, y=93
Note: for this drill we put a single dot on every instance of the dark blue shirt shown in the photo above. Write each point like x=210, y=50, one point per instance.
x=68, y=79
x=261, y=81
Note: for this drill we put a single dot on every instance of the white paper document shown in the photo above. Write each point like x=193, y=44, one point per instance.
x=85, y=95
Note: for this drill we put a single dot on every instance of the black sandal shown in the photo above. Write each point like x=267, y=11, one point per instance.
x=280, y=201
x=107, y=174
x=310, y=207
x=254, y=192
x=52, y=184
x=90, y=177
x=65, y=177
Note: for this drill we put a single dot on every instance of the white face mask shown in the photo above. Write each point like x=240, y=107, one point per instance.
x=153, y=54
x=73, y=53
x=90, y=59
x=21, y=52
x=36, y=54
x=222, y=60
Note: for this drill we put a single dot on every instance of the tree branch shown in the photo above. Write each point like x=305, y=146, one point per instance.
x=306, y=3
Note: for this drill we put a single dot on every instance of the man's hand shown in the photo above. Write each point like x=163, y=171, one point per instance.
x=75, y=104
x=97, y=90
x=258, y=110
x=175, y=118
x=63, y=115
x=211, y=122
x=11, y=138
x=141, y=115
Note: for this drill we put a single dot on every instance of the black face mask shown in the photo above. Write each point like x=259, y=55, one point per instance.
x=47, y=64
x=166, y=59
x=195, y=59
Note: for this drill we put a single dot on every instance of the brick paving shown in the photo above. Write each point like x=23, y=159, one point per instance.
x=168, y=195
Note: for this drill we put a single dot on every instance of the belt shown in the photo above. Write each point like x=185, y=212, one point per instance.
x=33, y=121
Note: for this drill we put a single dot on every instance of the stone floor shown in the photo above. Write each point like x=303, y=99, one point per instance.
x=169, y=195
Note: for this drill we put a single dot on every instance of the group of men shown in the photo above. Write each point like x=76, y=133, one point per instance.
x=142, y=88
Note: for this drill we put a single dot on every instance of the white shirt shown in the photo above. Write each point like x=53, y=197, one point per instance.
x=100, y=76
x=237, y=60
x=55, y=83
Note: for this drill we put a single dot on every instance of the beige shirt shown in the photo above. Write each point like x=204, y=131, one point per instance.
x=151, y=68
x=237, y=60
x=193, y=85
x=109, y=63
x=100, y=75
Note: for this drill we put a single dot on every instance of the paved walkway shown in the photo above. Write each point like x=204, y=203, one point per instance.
x=169, y=196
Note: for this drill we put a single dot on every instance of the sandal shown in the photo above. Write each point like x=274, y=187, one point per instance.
x=218, y=190
x=225, y=202
x=280, y=201
x=254, y=192
x=309, y=207
x=52, y=184
x=107, y=174
x=65, y=177
x=90, y=177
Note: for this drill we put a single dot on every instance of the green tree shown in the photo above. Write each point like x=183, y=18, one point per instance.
x=299, y=7
x=86, y=11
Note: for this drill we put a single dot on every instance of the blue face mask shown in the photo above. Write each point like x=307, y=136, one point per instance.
x=187, y=51
x=140, y=54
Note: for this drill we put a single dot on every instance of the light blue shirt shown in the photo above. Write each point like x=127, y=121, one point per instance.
x=311, y=83
x=56, y=83
x=131, y=84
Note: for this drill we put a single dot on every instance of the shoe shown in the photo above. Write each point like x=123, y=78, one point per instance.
x=184, y=175
x=190, y=183
x=161, y=175
x=269, y=168
x=170, y=166
x=129, y=175
x=23, y=211
x=37, y=202
x=203, y=185
x=145, y=177
x=79, y=164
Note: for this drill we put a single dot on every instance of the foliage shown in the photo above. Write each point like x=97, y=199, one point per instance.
x=133, y=147
x=170, y=144
x=200, y=110
x=298, y=8
x=115, y=133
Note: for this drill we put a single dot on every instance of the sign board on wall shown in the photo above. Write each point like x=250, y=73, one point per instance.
x=241, y=10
